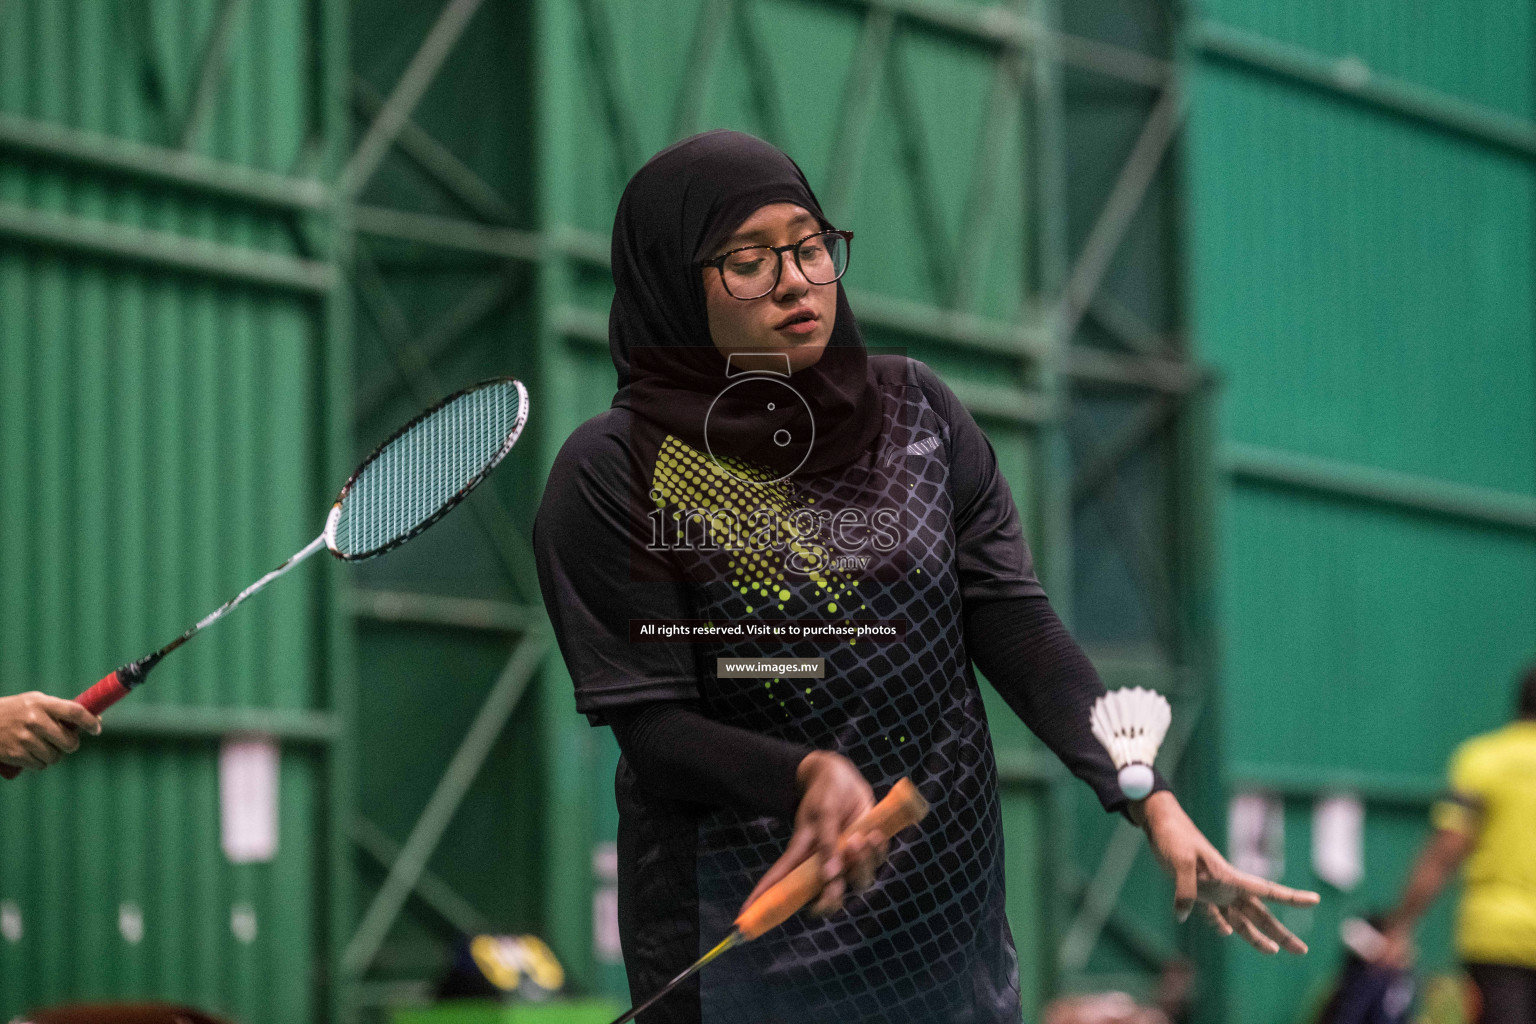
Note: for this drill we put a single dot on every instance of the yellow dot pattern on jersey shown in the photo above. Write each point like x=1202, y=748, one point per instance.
x=749, y=516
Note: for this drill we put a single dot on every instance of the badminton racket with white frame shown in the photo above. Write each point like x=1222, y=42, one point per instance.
x=409, y=482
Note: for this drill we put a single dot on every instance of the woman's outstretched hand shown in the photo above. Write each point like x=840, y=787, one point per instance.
x=832, y=796
x=1232, y=900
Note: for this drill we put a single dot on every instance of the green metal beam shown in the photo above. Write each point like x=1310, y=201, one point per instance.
x=164, y=250
x=1014, y=406
x=949, y=327
x=159, y=165
x=436, y=340
x=604, y=70
x=857, y=113
x=1132, y=437
x=999, y=26
x=708, y=34
x=1155, y=373
x=437, y=160
x=461, y=773
x=1127, y=327
x=1148, y=946
x=180, y=722
x=1481, y=506
x=468, y=613
x=976, y=243
x=1308, y=782
x=458, y=912
x=210, y=74
x=588, y=247
x=1127, y=523
x=324, y=153
x=419, y=74
x=581, y=325
x=761, y=79
x=937, y=248
x=138, y=18
x=448, y=233
x=1045, y=277
x=1125, y=198
x=1351, y=77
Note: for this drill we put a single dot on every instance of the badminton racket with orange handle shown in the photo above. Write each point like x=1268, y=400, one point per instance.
x=902, y=806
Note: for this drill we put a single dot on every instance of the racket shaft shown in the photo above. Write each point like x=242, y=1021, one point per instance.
x=230, y=605
x=902, y=806
x=114, y=687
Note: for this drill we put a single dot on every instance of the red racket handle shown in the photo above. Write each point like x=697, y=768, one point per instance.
x=902, y=806
x=95, y=700
x=103, y=695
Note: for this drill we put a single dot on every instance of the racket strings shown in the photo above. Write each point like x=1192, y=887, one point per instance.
x=419, y=475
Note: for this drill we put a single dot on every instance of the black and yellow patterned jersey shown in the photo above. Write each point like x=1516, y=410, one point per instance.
x=920, y=524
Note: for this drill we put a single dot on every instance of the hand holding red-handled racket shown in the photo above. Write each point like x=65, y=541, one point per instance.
x=409, y=482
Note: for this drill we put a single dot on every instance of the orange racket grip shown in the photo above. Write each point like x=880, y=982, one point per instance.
x=95, y=700
x=902, y=806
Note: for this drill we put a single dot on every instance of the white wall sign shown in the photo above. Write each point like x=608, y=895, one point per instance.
x=1338, y=840
x=1256, y=834
x=248, y=783
x=10, y=922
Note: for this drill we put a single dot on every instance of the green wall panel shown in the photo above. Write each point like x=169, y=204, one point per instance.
x=1378, y=283
x=1367, y=640
x=163, y=444
x=1362, y=278
x=137, y=827
x=1479, y=53
x=159, y=447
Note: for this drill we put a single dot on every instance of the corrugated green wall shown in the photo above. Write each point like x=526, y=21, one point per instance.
x=1362, y=199
x=163, y=425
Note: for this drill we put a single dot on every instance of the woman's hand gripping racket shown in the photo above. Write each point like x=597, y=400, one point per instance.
x=409, y=482
x=902, y=806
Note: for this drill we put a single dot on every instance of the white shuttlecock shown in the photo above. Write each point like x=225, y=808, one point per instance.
x=1131, y=723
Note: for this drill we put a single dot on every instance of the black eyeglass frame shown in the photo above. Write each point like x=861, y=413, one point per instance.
x=778, y=251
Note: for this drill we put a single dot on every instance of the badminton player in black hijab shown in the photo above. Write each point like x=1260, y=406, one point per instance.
x=759, y=467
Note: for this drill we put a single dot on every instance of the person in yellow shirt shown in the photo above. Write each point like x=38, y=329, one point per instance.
x=1487, y=820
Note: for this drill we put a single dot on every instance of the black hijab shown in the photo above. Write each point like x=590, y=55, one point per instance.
x=674, y=211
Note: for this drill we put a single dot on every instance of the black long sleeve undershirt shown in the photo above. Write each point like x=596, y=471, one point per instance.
x=1020, y=644
x=679, y=754
x=1024, y=649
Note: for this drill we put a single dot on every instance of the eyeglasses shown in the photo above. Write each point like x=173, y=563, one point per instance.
x=753, y=270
